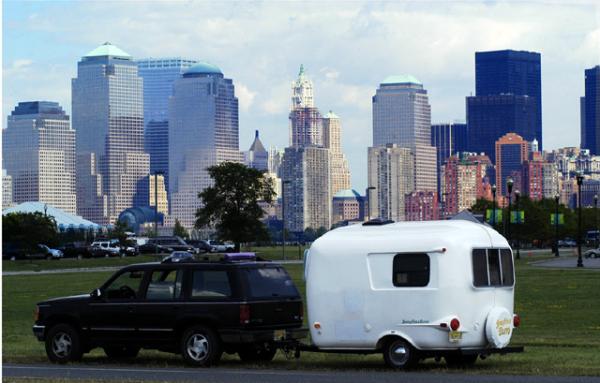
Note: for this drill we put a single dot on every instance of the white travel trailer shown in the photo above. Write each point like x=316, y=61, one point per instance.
x=412, y=290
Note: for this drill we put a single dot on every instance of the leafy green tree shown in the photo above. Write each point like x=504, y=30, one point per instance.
x=232, y=206
x=29, y=229
x=310, y=234
x=179, y=230
x=119, y=231
x=320, y=231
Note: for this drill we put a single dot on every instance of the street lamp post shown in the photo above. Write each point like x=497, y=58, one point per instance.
x=494, y=205
x=597, y=233
x=283, y=215
x=517, y=195
x=509, y=186
x=557, y=199
x=579, y=183
x=369, y=201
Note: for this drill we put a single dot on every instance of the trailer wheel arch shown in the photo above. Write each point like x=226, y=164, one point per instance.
x=389, y=336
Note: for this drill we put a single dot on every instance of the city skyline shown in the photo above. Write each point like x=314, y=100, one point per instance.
x=42, y=50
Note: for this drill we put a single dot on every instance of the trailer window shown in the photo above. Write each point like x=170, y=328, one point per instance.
x=411, y=270
x=492, y=267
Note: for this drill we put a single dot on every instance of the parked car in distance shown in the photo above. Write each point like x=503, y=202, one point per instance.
x=200, y=245
x=229, y=246
x=166, y=245
x=105, y=248
x=592, y=253
x=567, y=242
x=198, y=309
x=75, y=249
x=217, y=246
x=49, y=252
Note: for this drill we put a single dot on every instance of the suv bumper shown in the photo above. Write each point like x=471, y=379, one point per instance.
x=255, y=336
x=39, y=331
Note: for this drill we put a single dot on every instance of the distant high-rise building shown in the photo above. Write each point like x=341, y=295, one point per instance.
x=203, y=131
x=257, y=157
x=590, y=111
x=401, y=113
x=348, y=205
x=306, y=188
x=340, y=171
x=421, y=206
x=108, y=118
x=391, y=173
x=306, y=127
x=508, y=98
x=159, y=74
x=448, y=139
x=275, y=158
x=38, y=149
x=463, y=181
x=157, y=182
x=7, y=190
x=511, y=151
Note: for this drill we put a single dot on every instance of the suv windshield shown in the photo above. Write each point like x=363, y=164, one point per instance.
x=270, y=282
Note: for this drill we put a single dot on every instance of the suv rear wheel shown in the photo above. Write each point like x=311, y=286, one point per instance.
x=63, y=344
x=257, y=352
x=200, y=346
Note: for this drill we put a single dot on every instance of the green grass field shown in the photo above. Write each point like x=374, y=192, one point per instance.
x=560, y=329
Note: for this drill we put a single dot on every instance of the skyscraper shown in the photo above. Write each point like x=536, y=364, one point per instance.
x=108, y=117
x=257, y=157
x=391, y=172
x=590, y=111
x=7, y=190
x=508, y=98
x=448, y=139
x=340, y=172
x=159, y=74
x=401, y=113
x=306, y=189
x=38, y=149
x=203, y=131
x=511, y=151
x=306, y=127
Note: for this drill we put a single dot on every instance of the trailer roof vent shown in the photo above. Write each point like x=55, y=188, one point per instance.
x=378, y=222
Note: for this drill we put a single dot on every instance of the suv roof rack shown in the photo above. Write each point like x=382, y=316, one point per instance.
x=222, y=258
x=378, y=222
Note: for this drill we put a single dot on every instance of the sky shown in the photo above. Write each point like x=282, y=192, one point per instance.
x=347, y=48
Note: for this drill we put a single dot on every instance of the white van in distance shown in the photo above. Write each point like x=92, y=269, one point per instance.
x=412, y=290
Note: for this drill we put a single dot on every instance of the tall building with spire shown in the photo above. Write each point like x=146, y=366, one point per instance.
x=203, y=131
x=340, y=171
x=306, y=167
x=108, y=118
x=38, y=150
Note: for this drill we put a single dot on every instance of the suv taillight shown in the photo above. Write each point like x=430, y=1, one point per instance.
x=301, y=311
x=244, y=314
x=36, y=314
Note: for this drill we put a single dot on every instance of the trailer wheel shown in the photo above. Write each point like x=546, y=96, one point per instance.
x=400, y=354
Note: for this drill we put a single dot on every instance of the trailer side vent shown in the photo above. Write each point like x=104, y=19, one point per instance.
x=378, y=222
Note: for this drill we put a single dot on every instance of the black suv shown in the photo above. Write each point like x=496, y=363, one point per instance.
x=199, y=309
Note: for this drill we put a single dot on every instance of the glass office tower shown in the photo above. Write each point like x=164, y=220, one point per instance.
x=203, y=131
x=590, y=111
x=108, y=118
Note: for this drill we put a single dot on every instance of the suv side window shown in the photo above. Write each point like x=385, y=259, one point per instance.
x=164, y=285
x=125, y=286
x=210, y=284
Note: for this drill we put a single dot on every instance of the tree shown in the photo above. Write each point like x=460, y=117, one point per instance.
x=179, y=230
x=119, y=231
x=29, y=229
x=232, y=206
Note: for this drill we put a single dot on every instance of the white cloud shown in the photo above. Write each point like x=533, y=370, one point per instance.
x=244, y=95
x=18, y=67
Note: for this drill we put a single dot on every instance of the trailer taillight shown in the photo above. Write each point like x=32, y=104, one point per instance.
x=516, y=320
x=244, y=314
x=454, y=324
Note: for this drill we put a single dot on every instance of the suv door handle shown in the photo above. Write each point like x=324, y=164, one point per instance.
x=279, y=310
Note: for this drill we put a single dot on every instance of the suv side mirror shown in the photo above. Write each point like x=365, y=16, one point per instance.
x=96, y=293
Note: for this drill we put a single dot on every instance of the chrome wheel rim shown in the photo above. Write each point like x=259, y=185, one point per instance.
x=399, y=353
x=197, y=347
x=61, y=344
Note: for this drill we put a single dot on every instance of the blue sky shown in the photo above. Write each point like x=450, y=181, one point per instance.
x=347, y=48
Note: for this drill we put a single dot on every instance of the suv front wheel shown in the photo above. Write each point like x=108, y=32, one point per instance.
x=200, y=346
x=63, y=344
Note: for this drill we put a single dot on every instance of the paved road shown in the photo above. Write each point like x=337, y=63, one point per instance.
x=218, y=375
x=568, y=263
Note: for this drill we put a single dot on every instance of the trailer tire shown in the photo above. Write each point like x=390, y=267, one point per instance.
x=400, y=354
